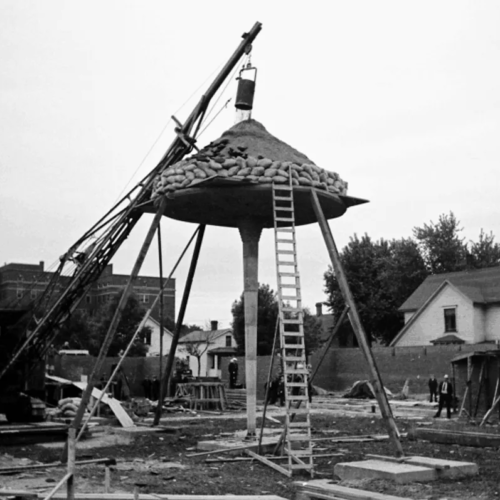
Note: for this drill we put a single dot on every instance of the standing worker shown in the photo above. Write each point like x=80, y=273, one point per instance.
x=445, y=397
x=433, y=388
x=233, y=373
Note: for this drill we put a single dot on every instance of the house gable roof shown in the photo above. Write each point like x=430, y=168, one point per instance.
x=424, y=306
x=482, y=286
x=204, y=335
x=157, y=324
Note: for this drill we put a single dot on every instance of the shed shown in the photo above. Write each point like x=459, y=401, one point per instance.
x=477, y=377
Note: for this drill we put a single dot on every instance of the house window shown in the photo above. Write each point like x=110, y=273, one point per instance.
x=228, y=340
x=144, y=299
x=147, y=337
x=87, y=299
x=212, y=362
x=450, y=320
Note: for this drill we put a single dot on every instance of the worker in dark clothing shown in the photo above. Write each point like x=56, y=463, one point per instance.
x=445, y=397
x=233, y=373
x=433, y=388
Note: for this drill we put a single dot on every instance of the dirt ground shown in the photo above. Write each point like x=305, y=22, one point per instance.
x=158, y=462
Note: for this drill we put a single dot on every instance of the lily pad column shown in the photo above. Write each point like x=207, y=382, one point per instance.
x=250, y=232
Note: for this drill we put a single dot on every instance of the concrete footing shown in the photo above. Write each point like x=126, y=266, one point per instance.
x=406, y=470
x=380, y=469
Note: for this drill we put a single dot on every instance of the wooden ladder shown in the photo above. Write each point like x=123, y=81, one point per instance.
x=297, y=439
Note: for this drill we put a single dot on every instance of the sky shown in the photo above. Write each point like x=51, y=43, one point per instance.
x=400, y=98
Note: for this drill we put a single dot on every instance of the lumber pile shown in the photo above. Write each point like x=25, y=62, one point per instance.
x=247, y=152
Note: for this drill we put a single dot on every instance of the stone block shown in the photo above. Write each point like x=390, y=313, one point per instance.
x=445, y=468
x=380, y=469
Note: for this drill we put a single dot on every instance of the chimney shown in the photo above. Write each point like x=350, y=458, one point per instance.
x=42, y=265
x=214, y=325
x=319, y=308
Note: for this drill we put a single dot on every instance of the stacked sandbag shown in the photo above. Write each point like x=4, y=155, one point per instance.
x=230, y=157
x=68, y=407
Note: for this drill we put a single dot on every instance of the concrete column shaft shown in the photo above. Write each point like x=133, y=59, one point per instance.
x=250, y=235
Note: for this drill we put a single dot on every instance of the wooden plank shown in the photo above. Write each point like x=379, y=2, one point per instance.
x=322, y=488
x=122, y=416
x=455, y=437
x=265, y=461
x=157, y=496
x=18, y=493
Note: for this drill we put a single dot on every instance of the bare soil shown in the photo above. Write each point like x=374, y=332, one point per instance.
x=157, y=462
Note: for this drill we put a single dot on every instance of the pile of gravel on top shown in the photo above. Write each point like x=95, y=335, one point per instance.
x=248, y=152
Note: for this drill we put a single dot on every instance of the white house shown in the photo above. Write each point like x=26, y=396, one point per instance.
x=453, y=308
x=211, y=345
x=153, y=341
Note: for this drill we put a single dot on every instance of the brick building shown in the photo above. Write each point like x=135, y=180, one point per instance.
x=21, y=284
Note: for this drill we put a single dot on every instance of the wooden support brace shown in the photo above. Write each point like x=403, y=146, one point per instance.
x=357, y=326
x=265, y=461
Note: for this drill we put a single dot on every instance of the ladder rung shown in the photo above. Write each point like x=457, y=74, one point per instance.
x=299, y=411
x=286, y=263
x=285, y=252
x=302, y=466
x=282, y=187
x=298, y=437
x=290, y=297
x=283, y=219
x=288, y=275
x=299, y=453
x=292, y=321
x=297, y=398
x=278, y=208
x=285, y=229
x=297, y=371
x=294, y=334
x=298, y=425
x=283, y=198
x=282, y=240
x=299, y=359
x=289, y=285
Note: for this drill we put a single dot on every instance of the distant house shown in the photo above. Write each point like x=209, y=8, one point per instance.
x=153, y=340
x=453, y=308
x=212, y=345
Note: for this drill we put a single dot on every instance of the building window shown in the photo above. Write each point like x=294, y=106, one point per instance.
x=144, y=299
x=147, y=336
x=228, y=340
x=450, y=320
x=87, y=299
x=212, y=362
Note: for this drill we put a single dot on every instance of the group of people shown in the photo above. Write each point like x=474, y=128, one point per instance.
x=151, y=388
x=441, y=392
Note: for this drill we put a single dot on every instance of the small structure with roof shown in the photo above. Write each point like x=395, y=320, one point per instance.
x=453, y=308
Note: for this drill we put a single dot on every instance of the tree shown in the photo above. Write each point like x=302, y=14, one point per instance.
x=76, y=331
x=485, y=252
x=199, y=347
x=267, y=314
x=441, y=246
x=133, y=314
x=381, y=276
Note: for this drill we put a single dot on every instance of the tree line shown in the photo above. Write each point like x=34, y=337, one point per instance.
x=382, y=274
